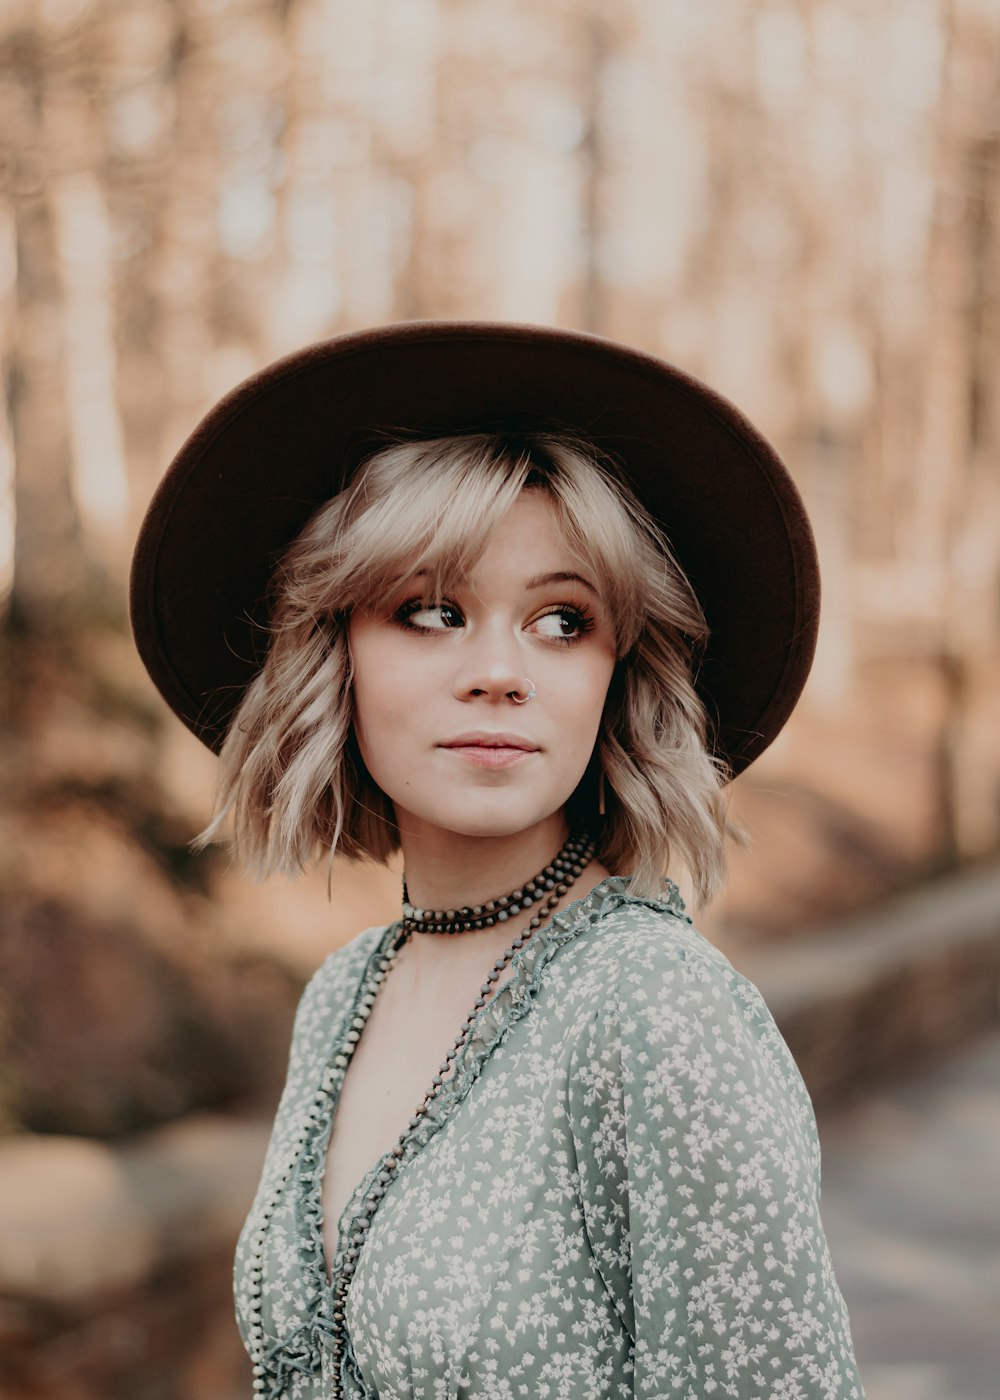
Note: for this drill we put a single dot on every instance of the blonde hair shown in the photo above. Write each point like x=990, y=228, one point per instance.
x=292, y=778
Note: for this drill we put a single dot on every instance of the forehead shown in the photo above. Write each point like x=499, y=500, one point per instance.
x=531, y=522
x=527, y=547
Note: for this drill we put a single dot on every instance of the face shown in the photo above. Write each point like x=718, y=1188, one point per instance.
x=434, y=713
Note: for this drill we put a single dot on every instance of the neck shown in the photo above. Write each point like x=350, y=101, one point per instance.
x=447, y=871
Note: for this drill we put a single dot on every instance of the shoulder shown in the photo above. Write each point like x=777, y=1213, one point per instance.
x=325, y=1001
x=641, y=947
x=660, y=994
x=348, y=959
x=333, y=984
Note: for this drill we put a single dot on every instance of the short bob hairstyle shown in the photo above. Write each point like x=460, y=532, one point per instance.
x=292, y=779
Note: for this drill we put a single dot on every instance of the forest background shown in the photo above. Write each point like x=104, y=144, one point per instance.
x=796, y=200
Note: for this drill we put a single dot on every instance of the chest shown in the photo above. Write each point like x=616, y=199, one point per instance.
x=405, y=1040
x=477, y=1275
x=477, y=1263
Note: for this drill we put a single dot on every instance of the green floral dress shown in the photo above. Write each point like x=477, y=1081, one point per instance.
x=616, y=1195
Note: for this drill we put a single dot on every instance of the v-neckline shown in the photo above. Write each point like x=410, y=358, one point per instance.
x=507, y=1005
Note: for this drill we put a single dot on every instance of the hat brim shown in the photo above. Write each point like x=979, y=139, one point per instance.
x=287, y=439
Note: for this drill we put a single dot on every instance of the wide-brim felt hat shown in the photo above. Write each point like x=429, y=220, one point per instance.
x=264, y=458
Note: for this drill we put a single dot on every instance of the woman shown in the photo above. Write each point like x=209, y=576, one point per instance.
x=517, y=602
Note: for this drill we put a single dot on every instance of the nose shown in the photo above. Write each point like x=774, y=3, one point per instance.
x=492, y=668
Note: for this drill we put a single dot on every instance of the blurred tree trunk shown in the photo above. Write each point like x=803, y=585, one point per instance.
x=596, y=45
x=69, y=476
x=49, y=567
x=959, y=505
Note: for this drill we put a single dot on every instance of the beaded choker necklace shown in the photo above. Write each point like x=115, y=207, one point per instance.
x=547, y=888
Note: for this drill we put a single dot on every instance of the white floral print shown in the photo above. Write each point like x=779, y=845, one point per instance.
x=616, y=1195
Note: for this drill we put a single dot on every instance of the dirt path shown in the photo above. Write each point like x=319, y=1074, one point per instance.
x=911, y=1205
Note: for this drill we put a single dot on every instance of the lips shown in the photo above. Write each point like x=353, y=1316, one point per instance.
x=486, y=740
x=488, y=750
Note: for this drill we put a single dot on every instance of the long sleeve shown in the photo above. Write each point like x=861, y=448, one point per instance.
x=699, y=1168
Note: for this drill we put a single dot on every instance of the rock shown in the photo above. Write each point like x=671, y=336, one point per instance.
x=81, y=1220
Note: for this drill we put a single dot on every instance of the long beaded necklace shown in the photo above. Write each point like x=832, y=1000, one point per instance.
x=547, y=888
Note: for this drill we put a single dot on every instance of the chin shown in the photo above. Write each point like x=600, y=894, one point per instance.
x=483, y=824
x=486, y=827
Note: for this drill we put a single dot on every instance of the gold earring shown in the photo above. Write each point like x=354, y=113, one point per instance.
x=600, y=793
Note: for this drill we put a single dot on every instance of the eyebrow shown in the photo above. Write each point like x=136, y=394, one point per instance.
x=542, y=580
x=538, y=581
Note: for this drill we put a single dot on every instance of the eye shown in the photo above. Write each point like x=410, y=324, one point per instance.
x=564, y=624
x=420, y=616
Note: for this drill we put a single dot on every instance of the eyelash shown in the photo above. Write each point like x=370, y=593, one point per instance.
x=584, y=620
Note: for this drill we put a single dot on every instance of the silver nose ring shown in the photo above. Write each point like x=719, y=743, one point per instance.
x=523, y=700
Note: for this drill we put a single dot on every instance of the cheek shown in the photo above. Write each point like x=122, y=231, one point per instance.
x=371, y=691
x=596, y=685
x=378, y=730
x=585, y=703
x=384, y=688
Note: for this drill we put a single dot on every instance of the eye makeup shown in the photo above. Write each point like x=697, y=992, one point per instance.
x=580, y=619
